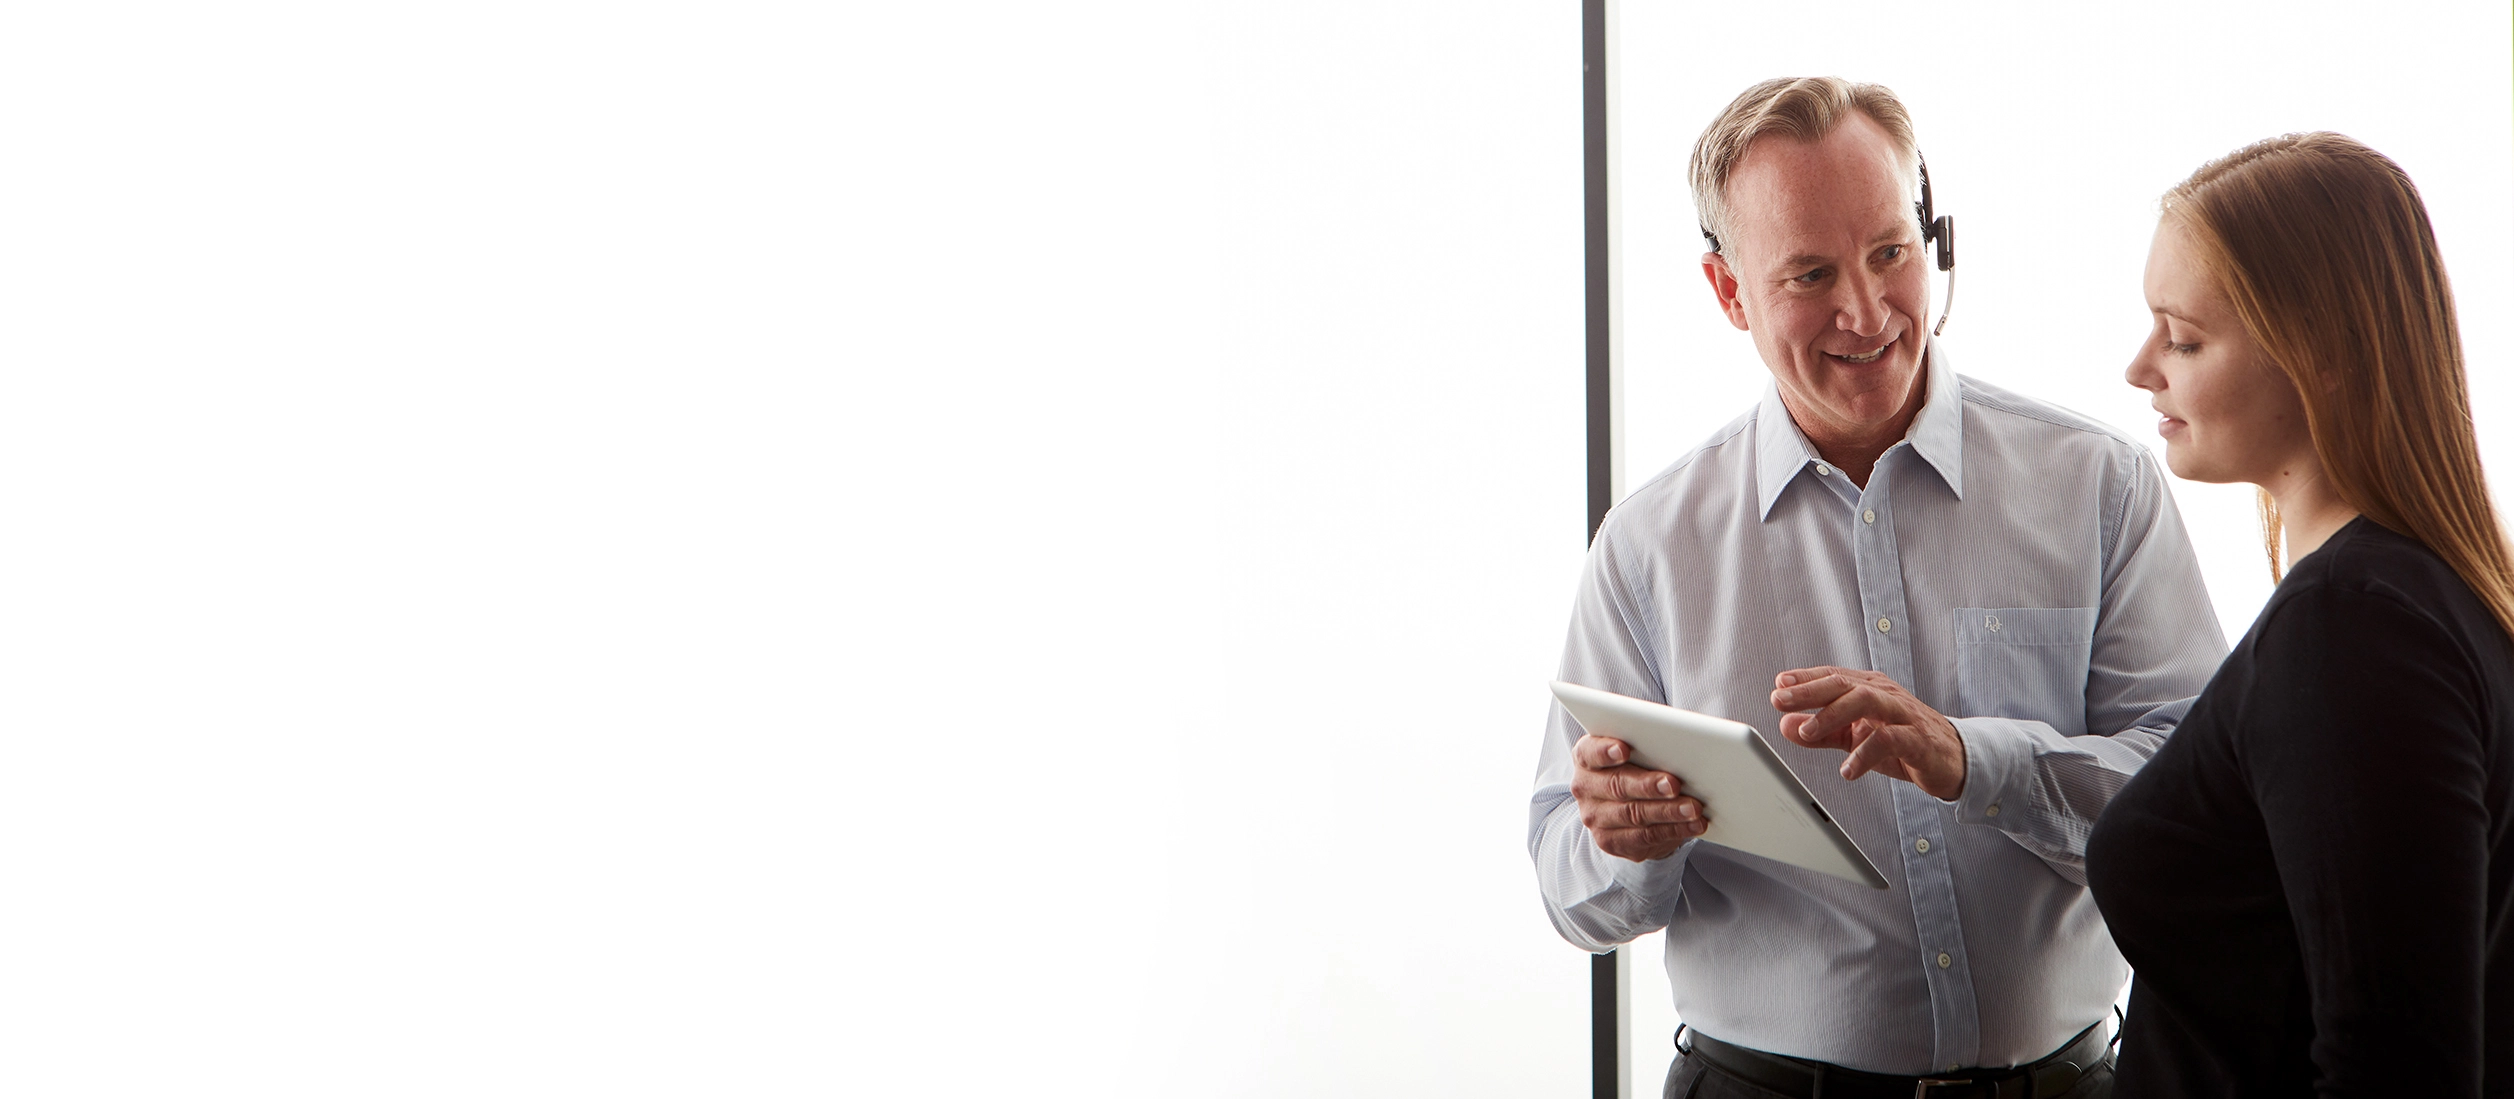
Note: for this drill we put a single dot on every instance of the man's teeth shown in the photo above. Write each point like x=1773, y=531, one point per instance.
x=1867, y=358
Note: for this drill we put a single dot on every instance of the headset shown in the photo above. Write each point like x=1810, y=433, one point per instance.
x=1938, y=229
x=1935, y=228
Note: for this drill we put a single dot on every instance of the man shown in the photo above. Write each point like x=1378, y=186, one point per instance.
x=1880, y=544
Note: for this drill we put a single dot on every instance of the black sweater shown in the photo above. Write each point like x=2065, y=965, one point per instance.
x=2312, y=876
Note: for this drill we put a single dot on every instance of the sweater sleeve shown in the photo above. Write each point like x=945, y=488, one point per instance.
x=2361, y=741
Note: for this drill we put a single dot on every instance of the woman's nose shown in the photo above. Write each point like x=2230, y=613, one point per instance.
x=2143, y=374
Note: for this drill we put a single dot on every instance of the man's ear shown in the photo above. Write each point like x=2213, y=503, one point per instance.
x=1724, y=287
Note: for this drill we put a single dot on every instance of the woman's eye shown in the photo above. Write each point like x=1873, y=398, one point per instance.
x=2181, y=348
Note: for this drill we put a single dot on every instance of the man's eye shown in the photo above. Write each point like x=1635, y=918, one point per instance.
x=1811, y=278
x=1891, y=253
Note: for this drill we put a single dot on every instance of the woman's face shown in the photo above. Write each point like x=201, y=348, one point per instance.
x=2229, y=415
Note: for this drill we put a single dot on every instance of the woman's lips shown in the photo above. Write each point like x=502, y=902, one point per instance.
x=2168, y=427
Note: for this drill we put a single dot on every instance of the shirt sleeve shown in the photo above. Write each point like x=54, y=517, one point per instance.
x=2361, y=740
x=2156, y=644
x=1597, y=900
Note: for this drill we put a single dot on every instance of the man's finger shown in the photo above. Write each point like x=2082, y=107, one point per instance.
x=1635, y=784
x=1648, y=814
x=1608, y=818
x=1657, y=840
x=1626, y=783
x=1678, y=830
x=1838, y=716
x=1597, y=753
x=1809, y=691
x=1792, y=726
x=1795, y=727
x=1876, y=751
x=1796, y=676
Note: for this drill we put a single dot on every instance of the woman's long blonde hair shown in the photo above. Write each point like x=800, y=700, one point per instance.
x=2325, y=249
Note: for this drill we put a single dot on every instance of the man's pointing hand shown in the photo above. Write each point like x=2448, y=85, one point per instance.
x=1880, y=724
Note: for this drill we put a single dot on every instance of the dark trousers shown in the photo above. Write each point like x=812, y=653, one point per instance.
x=1694, y=1078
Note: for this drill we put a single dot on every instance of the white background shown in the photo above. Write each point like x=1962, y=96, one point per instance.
x=753, y=549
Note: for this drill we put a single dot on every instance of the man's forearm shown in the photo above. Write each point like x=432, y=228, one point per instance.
x=2044, y=790
x=1597, y=901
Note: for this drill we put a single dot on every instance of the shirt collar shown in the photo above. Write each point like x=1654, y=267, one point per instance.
x=1937, y=434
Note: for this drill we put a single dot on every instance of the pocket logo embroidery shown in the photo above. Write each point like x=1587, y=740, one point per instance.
x=1990, y=622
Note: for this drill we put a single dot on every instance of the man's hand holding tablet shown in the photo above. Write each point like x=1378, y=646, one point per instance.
x=1632, y=813
x=1641, y=815
x=1647, y=776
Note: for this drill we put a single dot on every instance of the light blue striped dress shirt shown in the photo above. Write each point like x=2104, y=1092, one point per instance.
x=2022, y=570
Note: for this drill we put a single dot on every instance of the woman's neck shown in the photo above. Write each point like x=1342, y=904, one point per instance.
x=2309, y=509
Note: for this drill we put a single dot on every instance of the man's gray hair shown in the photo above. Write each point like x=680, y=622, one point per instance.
x=1800, y=108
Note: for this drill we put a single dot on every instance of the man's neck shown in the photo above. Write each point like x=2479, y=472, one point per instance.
x=1853, y=448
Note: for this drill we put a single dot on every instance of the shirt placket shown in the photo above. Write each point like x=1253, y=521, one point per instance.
x=1920, y=820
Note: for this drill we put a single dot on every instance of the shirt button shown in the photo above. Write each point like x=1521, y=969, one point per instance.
x=1944, y=961
x=1869, y=515
x=1885, y=625
x=1922, y=845
x=1994, y=809
x=1823, y=470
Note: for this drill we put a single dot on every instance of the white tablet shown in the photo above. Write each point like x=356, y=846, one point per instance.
x=1753, y=801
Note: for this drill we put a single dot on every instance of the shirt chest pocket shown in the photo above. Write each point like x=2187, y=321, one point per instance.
x=2025, y=662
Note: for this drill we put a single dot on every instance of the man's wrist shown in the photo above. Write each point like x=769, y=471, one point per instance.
x=1646, y=875
x=1995, y=751
x=1962, y=766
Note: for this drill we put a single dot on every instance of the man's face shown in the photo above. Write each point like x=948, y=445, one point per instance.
x=1822, y=264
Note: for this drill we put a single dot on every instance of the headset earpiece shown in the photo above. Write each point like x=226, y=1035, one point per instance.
x=1933, y=228
x=1938, y=230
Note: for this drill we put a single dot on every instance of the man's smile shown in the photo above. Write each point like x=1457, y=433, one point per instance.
x=1866, y=357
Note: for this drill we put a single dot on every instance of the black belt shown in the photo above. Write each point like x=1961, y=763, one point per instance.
x=1817, y=1080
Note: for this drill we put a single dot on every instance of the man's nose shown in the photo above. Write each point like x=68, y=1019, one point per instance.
x=1863, y=310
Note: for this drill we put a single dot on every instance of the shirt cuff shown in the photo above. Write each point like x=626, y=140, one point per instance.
x=1652, y=880
x=1998, y=756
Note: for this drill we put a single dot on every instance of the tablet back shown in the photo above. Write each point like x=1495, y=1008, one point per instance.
x=1752, y=800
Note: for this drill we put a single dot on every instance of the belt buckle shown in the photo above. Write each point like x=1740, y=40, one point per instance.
x=1920, y=1088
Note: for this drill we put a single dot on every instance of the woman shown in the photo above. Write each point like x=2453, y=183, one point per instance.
x=2312, y=876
